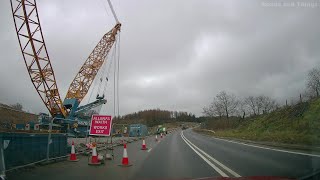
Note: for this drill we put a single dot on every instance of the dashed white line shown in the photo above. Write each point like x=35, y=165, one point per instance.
x=149, y=150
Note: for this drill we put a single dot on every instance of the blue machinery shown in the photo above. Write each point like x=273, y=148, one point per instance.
x=40, y=70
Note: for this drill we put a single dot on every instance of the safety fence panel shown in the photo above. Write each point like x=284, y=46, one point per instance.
x=25, y=148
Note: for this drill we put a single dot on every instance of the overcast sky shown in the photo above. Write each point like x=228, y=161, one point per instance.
x=175, y=55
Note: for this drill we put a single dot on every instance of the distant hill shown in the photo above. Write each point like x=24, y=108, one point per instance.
x=11, y=115
x=153, y=117
x=297, y=124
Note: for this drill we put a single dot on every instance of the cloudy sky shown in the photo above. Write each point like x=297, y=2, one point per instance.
x=175, y=55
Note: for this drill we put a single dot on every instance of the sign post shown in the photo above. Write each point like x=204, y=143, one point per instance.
x=49, y=139
x=100, y=125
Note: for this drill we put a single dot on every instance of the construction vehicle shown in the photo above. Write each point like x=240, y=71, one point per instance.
x=68, y=113
x=161, y=129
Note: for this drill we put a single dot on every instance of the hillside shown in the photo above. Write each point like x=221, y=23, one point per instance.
x=298, y=124
x=9, y=115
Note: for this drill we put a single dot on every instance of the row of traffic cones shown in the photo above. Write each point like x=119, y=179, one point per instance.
x=95, y=160
x=161, y=136
x=144, y=147
x=125, y=159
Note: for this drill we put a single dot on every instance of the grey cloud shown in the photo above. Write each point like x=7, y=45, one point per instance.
x=174, y=54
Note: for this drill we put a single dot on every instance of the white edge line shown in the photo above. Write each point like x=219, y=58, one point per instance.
x=149, y=150
x=207, y=161
x=291, y=152
x=214, y=160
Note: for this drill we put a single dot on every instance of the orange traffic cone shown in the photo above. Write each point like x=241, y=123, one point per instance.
x=94, y=157
x=144, y=147
x=73, y=156
x=125, y=159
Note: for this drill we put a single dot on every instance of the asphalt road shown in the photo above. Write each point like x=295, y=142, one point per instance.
x=182, y=155
x=255, y=160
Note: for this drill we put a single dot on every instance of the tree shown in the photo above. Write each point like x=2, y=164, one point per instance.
x=208, y=111
x=218, y=109
x=223, y=105
x=228, y=102
x=17, y=106
x=267, y=104
x=261, y=104
x=308, y=94
x=213, y=110
x=313, y=82
x=251, y=102
x=242, y=108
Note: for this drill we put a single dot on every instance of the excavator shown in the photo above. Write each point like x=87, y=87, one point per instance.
x=38, y=64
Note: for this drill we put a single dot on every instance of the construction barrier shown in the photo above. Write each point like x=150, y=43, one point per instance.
x=25, y=148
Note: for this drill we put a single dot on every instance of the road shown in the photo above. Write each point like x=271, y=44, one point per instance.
x=182, y=155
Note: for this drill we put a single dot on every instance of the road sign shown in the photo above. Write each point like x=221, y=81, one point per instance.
x=100, y=125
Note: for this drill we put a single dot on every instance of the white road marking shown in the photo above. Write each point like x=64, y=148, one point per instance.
x=214, y=160
x=279, y=150
x=206, y=160
x=149, y=150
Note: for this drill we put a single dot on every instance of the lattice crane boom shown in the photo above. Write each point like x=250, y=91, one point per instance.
x=84, y=78
x=35, y=55
x=37, y=61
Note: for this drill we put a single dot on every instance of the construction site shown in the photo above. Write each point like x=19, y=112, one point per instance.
x=63, y=133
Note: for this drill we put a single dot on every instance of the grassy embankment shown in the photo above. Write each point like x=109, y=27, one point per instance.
x=298, y=124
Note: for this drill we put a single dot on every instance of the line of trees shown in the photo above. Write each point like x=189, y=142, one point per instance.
x=227, y=104
x=17, y=106
x=158, y=116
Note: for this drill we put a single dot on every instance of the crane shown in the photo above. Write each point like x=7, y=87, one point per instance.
x=39, y=67
x=80, y=85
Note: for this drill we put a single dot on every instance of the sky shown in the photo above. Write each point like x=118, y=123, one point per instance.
x=174, y=55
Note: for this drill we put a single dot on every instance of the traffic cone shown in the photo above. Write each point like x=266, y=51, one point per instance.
x=73, y=156
x=144, y=147
x=161, y=135
x=125, y=159
x=94, y=157
x=108, y=156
